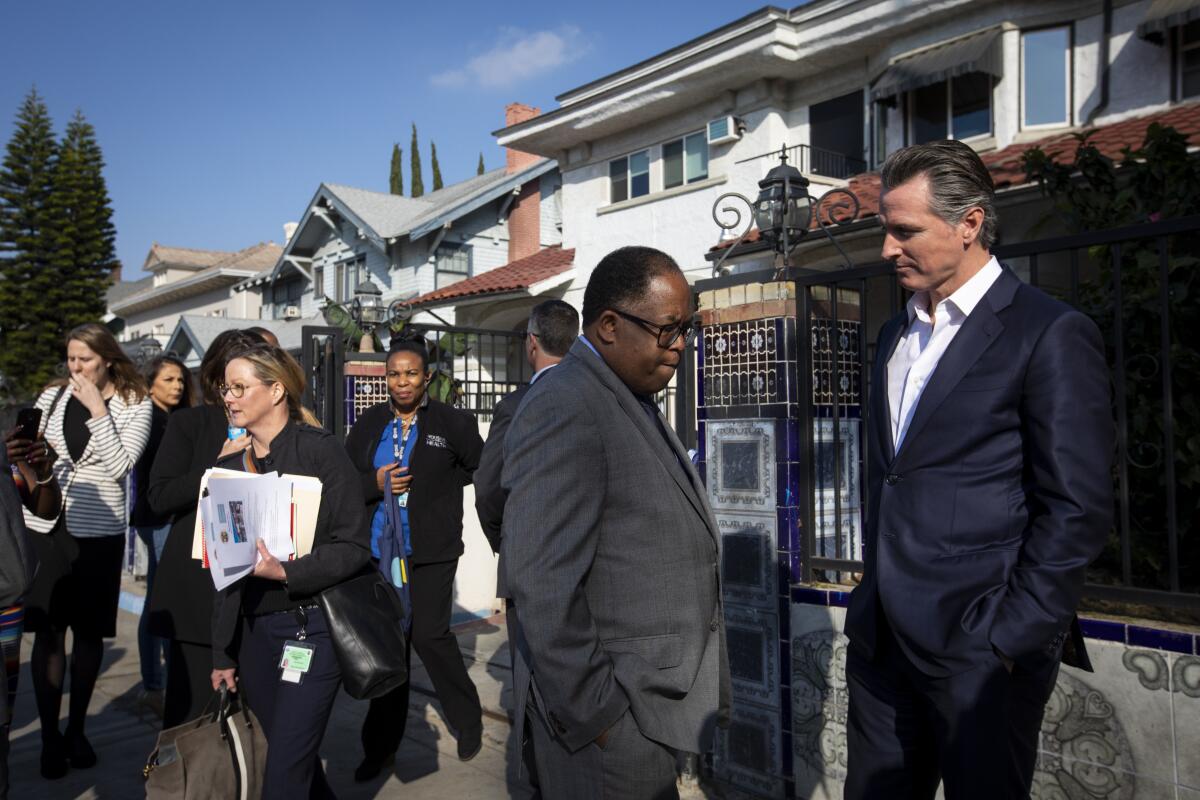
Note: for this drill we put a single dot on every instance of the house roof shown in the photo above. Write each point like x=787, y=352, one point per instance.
x=1005, y=165
x=522, y=275
x=194, y=333
x=122, y=289
x=162, y=255
x=224, y=272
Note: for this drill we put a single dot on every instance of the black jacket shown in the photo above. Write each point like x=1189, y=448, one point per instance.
x=443, y=461
x=180, y=602
x=143, y=516
x=341, y=546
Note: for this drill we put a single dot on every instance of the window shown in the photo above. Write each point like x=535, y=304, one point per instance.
x=349, y=275
x=1188, y=79
x=452, y=263
x=286, y=293
x=685, y=160
x=1045, y=78
x=957, y=108
x=318, y=283
x=879, y=143
x=630, y=176
x=835, y=133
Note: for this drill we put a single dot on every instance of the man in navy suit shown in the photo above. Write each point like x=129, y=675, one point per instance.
x=989, y=451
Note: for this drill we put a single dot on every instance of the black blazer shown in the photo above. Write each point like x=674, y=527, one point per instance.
x=181, y=600
x=443, y=461
x=979, y=531
x=341, y=546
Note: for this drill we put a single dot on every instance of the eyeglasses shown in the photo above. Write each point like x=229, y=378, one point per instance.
x=667, y=334
x=236, y=389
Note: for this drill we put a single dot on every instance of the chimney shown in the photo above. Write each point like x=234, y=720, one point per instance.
x=515, y=114
x=114, y=272
x=289, y=228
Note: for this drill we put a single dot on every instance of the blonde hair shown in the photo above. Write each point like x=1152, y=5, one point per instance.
x=125, y=377
x=273, y=365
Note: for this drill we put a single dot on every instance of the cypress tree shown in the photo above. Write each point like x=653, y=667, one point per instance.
x=84, y=241
x=396, y=178
x=30, y=337
x=437, y=171
x=418, y=186
x=479, y=170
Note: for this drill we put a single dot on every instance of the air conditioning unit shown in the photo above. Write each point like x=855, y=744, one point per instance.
x=724, y=129
x=291, y=312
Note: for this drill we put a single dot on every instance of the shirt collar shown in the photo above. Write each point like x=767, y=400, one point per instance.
x=964, y=300
x=590, y=346
x=541, y=372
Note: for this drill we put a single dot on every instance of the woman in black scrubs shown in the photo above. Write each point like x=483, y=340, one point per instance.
x=255, y=618
x=431, y=450
x=180, y=605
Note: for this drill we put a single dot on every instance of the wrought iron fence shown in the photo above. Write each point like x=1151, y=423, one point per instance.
x=1137, y=283
x=482, y=365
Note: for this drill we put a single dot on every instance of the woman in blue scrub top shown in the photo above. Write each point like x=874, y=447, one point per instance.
x=429, y=450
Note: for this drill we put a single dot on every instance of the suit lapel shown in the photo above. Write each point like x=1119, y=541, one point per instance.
x=667, y=455
x=882, y=404
x=978, y=332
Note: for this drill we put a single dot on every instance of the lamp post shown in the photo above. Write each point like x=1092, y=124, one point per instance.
x=149, y=348
x=368, y=311
x=784, y=212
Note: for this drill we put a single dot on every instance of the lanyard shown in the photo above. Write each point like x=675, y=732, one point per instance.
x=400, y=442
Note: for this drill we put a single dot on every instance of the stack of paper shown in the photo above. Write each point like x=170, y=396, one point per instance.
x=238, y=509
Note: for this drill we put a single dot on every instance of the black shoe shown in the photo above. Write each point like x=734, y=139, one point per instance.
x=470, y=743
x=54, y=757
x=370, y=767
x=79, y=750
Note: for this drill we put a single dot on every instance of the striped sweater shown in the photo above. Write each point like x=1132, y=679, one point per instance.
x=94, y=488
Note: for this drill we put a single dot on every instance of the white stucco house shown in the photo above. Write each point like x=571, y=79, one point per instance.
x=645, y=152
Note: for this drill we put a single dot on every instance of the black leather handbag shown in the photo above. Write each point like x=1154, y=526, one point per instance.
x=363, y=615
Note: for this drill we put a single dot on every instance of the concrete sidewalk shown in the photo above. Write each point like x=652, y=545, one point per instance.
x=123, y=731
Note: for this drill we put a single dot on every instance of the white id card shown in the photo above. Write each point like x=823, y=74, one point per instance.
x=296, y=661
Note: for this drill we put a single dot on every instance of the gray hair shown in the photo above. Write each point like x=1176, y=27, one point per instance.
x=958, y=181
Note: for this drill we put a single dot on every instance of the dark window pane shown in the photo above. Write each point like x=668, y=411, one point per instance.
x=971, y=105
x=1191, y=32
x=929, y=113
x=639, y=174
x=617, y=177
x=672, y=164
x=1044, y=76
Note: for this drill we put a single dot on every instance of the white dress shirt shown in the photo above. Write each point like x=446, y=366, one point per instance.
x=921, y=347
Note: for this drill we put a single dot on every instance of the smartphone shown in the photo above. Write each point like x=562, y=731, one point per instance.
x=28, y=421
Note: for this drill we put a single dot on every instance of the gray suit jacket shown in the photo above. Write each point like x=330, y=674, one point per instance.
x=610, y=553
x=489, y=494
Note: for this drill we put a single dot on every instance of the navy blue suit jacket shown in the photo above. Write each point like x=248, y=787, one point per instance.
x=979, y=531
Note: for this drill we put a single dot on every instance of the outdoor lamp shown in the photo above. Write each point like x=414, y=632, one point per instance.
x=368, y=311
x=149, y=349
x=783, y=209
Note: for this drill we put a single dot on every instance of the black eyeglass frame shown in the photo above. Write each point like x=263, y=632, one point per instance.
x=676, y=329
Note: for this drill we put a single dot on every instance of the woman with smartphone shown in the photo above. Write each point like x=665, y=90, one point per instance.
x=98, y=420
x=430, y=450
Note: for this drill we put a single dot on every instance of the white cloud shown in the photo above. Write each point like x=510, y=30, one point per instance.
x=516, y=56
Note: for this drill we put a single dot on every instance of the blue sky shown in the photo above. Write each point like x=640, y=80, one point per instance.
x=218, y=119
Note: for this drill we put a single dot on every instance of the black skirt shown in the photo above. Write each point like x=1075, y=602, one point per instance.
x=78, y=583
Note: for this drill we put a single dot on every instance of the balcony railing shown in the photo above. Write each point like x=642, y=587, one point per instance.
x=817, y=161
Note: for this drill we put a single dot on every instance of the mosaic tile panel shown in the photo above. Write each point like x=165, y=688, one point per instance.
x=751, y=637
x=748, y=363
x=835, y=352
x=749, y=754
x=748, y=574
x=740, y=460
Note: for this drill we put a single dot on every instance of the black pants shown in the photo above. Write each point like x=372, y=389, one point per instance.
x=189, y=682
x=293, y=716
x=976, y=731
x=432, y=592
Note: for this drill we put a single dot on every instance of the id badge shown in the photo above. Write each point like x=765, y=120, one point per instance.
x=402, y=500
x=296, y=660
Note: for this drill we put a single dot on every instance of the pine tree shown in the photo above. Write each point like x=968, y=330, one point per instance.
x=30, y=337
x=84, y=241
x=396, y=178
x=418, y=186
x=479, y=170
x=437, y=171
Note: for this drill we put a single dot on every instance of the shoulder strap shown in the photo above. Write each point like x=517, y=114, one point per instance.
x=53, y=405
x=248, y=462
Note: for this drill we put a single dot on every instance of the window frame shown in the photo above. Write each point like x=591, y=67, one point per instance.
x=319, y=282
x=344, y=293
x=438, y=271
x=1180, y=48
x=683, y=155
x=910, y=99
x=628, y=159
x=1069, y=67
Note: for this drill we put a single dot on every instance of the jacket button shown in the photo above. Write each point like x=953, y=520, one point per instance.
x=713, y=626
x=892, y=479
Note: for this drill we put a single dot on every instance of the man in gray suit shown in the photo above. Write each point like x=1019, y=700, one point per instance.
x=610, y=550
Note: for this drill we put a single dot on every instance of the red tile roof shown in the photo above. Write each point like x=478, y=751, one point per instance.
x=1005, y=165
x=514, y=276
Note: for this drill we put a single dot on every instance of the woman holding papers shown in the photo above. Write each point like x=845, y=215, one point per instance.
x=431, y=450
x=179, y=606
x=276, y=607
